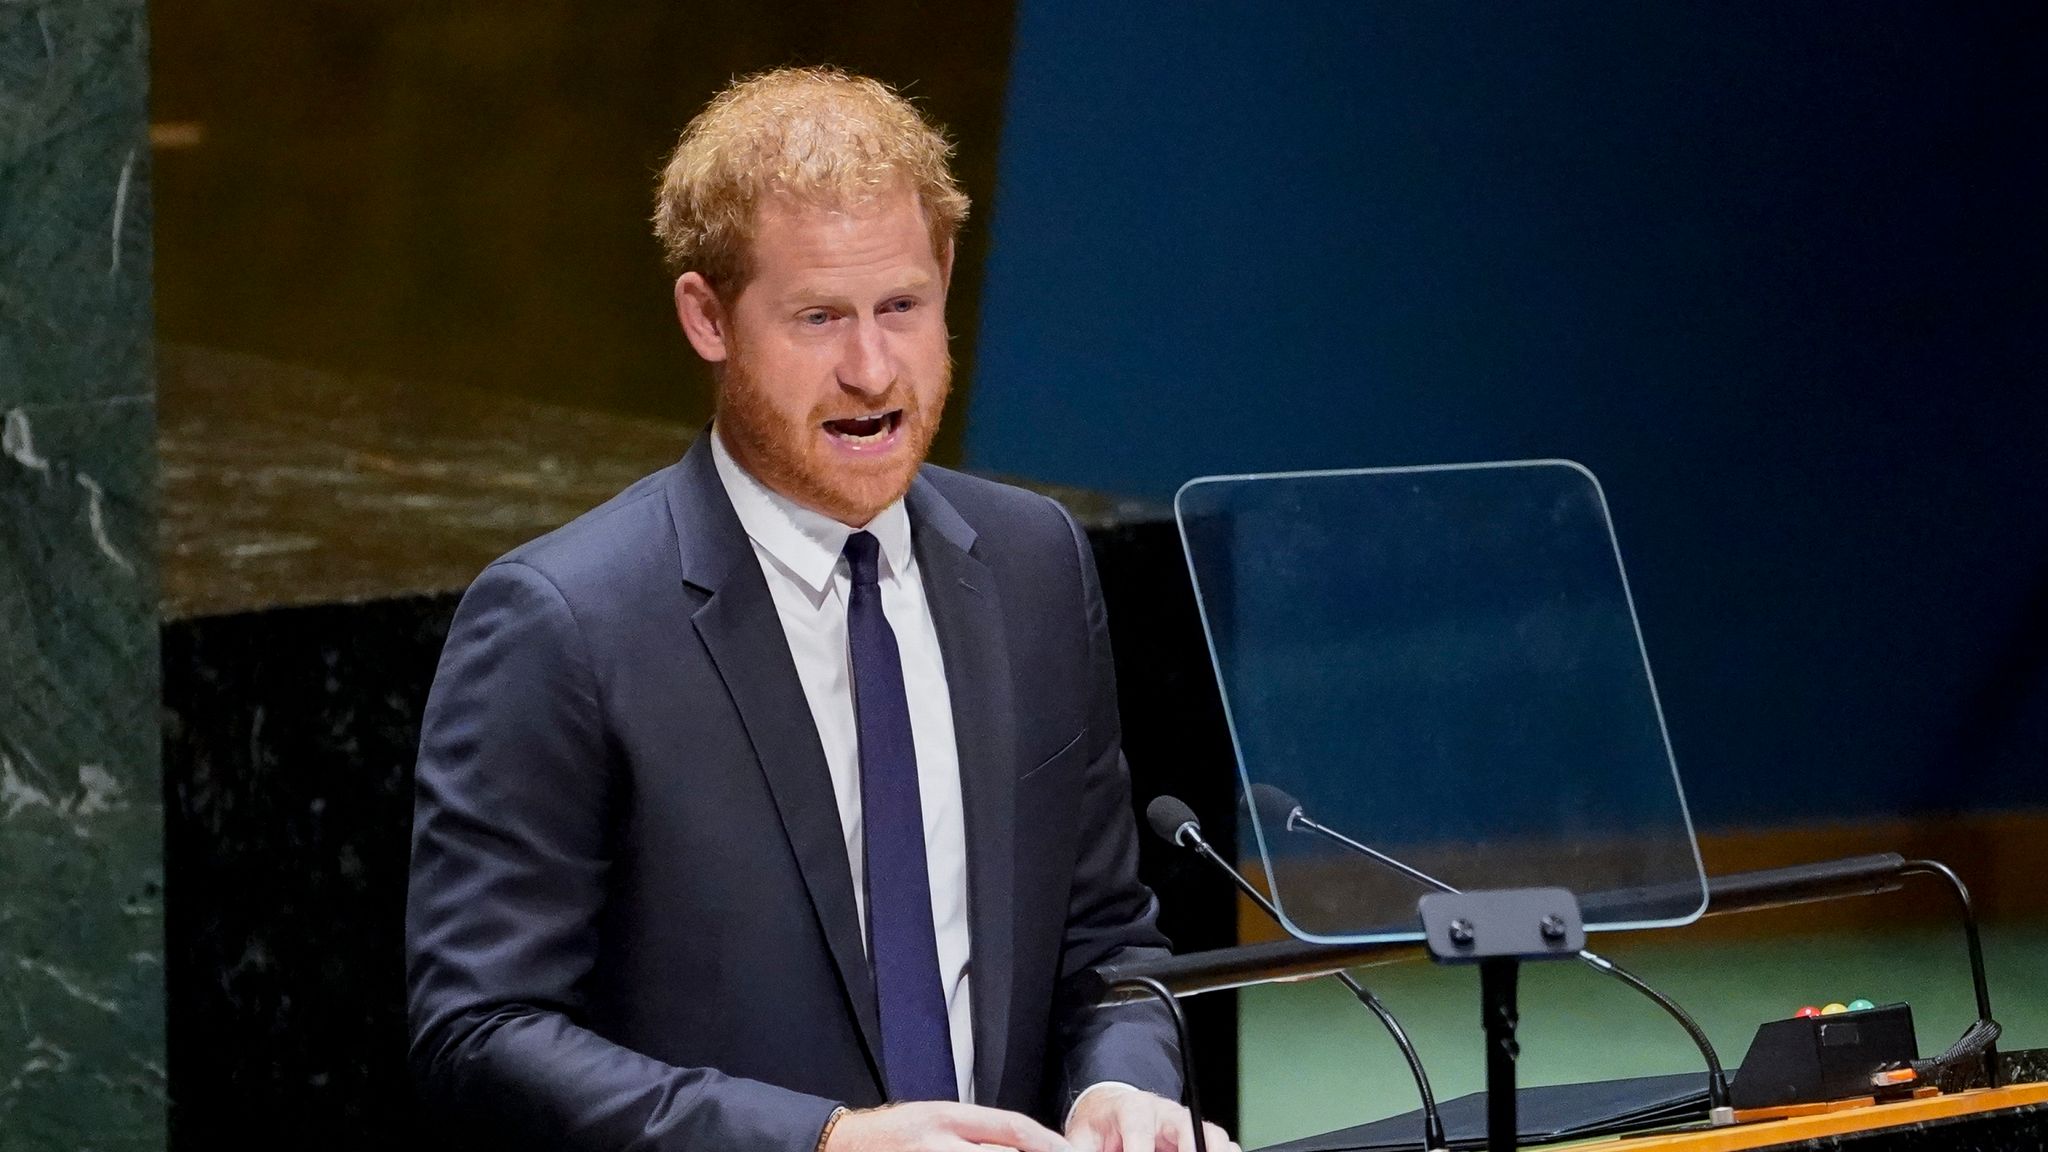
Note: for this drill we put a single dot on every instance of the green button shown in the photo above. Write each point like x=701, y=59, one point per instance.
x=1860, y=1004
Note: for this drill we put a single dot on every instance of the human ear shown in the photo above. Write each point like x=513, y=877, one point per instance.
x=703, y=317
x=946, y=267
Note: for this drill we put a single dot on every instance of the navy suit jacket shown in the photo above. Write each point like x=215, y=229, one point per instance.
x=631, y=923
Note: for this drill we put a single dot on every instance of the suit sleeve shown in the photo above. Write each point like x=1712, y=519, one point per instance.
x=510, y=827
x=1111, y=916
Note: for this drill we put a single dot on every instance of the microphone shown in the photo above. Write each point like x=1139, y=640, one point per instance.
x=1176, y=823
x=1276, y=808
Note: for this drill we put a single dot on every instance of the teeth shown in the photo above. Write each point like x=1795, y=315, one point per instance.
x=855, y=429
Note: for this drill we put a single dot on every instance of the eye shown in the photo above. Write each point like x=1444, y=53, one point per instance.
x=900, y=304
x=815, y=317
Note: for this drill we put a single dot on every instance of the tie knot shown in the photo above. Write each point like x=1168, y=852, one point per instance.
x=862, y=549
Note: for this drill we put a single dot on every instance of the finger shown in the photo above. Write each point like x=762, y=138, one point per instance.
x=1219, y=1140
x=978, y=1125
x=1184, y=1131
x=1137, y=1126
x=951, y=1143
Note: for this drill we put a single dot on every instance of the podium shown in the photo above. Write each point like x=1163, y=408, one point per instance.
x=1447, y=732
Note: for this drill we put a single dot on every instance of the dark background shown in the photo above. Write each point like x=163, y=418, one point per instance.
x=459, y=194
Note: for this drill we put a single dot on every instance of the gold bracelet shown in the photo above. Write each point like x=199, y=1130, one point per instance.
x=831, y=1122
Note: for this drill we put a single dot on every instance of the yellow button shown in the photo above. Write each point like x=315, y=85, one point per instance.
x=1831, y=1009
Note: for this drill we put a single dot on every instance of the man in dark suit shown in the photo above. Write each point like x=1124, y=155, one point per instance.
x=778, y=803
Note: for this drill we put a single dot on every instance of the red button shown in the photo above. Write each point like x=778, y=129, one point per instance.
x=1809, y=1010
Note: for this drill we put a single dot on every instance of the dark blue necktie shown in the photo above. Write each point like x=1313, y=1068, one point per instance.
x=917, y=1044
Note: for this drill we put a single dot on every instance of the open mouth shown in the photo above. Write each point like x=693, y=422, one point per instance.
x=864, y=431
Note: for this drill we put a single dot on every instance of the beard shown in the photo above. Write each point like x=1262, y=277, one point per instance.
x=791, y=456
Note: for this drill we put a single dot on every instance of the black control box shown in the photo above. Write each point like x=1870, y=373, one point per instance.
x=1810, y=1059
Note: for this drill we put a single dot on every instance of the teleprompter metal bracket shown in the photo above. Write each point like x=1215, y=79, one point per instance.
x=1518, y=923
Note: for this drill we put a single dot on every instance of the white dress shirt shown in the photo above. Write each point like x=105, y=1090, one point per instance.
x=799, y=551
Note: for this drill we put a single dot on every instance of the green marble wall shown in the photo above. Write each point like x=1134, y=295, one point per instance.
x=81, y=956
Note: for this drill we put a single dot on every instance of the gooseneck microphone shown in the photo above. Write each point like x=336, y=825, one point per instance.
x=1174, y=822
x=1276, y=809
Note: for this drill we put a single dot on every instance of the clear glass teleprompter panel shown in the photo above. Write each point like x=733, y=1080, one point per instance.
x=1442, y=664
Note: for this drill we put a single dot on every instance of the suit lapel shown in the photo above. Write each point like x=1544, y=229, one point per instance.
x=967, y=615
x=741, y=630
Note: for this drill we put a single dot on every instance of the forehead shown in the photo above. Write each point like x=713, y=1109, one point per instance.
x=797, y=241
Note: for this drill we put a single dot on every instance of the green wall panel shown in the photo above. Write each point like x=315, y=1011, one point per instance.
x=81, y=956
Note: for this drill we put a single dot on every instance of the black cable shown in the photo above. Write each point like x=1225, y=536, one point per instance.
x=1976, y=945
x=1189, y=1096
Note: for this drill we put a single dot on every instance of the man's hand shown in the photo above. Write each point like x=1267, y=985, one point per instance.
x=938, y=1126
x=1114, y=1118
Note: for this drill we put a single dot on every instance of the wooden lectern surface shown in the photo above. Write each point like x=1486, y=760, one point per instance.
x=1870, y=1118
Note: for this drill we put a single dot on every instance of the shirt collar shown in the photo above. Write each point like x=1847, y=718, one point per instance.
x=805, y=543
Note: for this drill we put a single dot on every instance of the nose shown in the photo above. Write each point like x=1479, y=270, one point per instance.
x=866, y=364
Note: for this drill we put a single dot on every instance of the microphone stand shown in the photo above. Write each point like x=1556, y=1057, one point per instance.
x=1433, y=1138
x=1719, y=1111
x=1174, y=822
x=1976, y=946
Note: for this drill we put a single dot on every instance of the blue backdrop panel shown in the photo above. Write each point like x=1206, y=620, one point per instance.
x=1772, y=271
